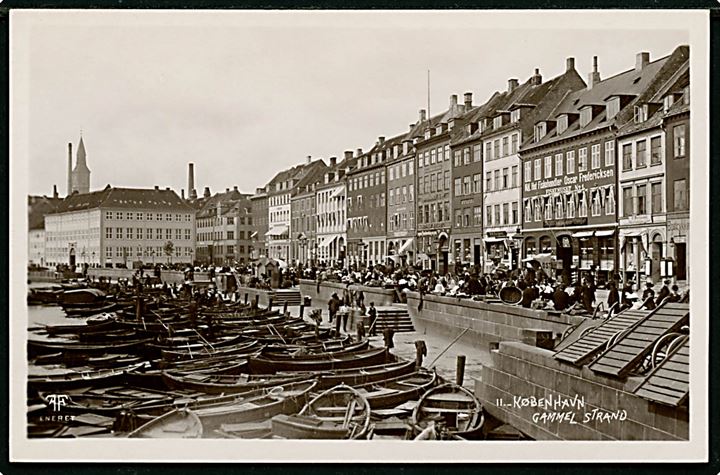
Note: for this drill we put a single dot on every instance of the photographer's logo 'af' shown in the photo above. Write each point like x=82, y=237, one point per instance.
x=57, y=401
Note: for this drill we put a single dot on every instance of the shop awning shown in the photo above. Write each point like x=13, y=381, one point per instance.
x=327, y=240
x=277, y=231
x=605, y=233
x=583, y=234
x=405, y=246
x=493, y=240
x=392, y=258
x=336, y=193
x=539, y=257
x=253, y=235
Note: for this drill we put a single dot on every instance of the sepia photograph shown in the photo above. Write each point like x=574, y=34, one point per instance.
x=431, y=233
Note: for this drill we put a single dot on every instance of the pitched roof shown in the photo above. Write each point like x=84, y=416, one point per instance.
x=129, y=198
x=38, y=207
x=226, y=200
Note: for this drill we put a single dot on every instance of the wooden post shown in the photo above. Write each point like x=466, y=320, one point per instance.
x=388, y=334
x=246, y=298
x=302, y=310
x=257, y=301
x=285, y=308
x=460, y=370
x=420, y=353
x=270, y=302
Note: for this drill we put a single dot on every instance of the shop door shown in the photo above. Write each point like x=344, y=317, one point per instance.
x=476, y=254
x=680, y=261
x=655, y=254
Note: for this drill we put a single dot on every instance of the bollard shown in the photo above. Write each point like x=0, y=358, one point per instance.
x=388, y=334
x=420, y=353
x=257, y=301
x=138, y=308
x=270, y=302
x=360, y=331
x=302, y=310
x=246, y=298
x=285, y=308
x=460, y=370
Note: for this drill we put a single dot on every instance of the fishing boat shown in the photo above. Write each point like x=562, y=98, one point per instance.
x=315, y=349
x=86, y=311
x=232, y=346
x=213, y=383
x=364, y=375
x=338, y=413
x=77, y=297
x=357, y=359
x=176, y=424
x=107, y=401
x=395, y=391
x=74, y=379
x=102, y=322
x=39, y=347
x=254, y=406
x=454, y=411
x=510, y=295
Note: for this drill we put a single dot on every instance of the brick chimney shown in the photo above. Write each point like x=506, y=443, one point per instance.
x=55, y=192
x=69, y=170
x=182, y=193
x=569, y=64
x=192, y=193
x=381, y=140
x=348, y=154
x=468, y=100
x=333, y=161
x=512, y=84
x=309, y=159
x=453, y=101
x=157, y=188
x=358, y=152
x=422, y=115
x=206, y=193
x=594, y=76
x=536, y=78
x=641, y=60
x=235, y=188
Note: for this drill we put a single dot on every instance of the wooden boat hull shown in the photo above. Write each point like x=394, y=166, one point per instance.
x=357, y=376
x=459, y=411
x=263, y=365
x=177, y=424
x=395, y=391
x=82, y=379
x=217, y=384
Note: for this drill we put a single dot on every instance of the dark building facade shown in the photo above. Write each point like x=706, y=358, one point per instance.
x=259, y=209
x=401, y=203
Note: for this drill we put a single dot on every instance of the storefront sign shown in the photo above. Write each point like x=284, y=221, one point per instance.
x=568, y=184
x=497, y=234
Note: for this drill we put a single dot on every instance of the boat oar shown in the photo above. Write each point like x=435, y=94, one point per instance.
x=349, y=413
x=203, y=339
x=190, y=350
x=272, y=329
x=448, y=347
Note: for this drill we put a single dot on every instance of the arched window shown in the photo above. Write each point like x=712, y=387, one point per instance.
x=530, y=247
x=545, y=244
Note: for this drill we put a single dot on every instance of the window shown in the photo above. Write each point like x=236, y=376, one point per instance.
x=108, y=215
x=655, y=151
x=168, y=234
x=139, y=233
x=595, y=156
x=466, y=217
x=609, y=194
x=680, y=195
x=528, y=171
x=558, y=164
x=642, y=199
x=158, y=233
x=582, y=160
x=488, y=181
x=514, y=176
x=488, y=151
x=432, y=182
x=613, y=107
x=466, y=185
x=497, y=215
x=496, y=175
x=656, y=194
x=506, y=213
x=596, y=205
x=230, y=235
x=515, y=217
x=447, y=180
x=548, y=167
x=458, y=187
x=679, y=140
x=528, y=211
x=187, y=234
x=404, y=194
x=540, y=131
x=477, y=216
x=411, y=193
x=427, y=158
x=547, y=203
x=433, y=157
x=496, y=148
x=505, y=178
x=570, y=162
x=458, y=218
x=129, y=215
x=477, y=153
x=447, y=153
x=420, y=161
x=640, y=114
x=571, y=206
x=505, y=146
x=108, y=251
x=609, y=153
x=559, y=207
x=538, y=169
x=641, y=154
x=515, y=116
x=627, y=156
x=488, y=215
x=514, y=143
x=129, y=233
x=477, y=183
x=562, y=124
x=108, y=233
x=439, y=181
x=585, y=116
x=466, y=156
x=582, y=205
x=168, y=217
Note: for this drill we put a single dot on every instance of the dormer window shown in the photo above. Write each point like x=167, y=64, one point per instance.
x=482, y=126
x=515, y=116
x=668, y=101
x=613, y=107
x=641, y=113
x=562, y=124
x=540, y=131
x=497, y=122
x=427, y=134
x=585, y=116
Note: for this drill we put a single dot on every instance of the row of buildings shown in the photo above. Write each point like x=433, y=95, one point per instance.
x=588, y=176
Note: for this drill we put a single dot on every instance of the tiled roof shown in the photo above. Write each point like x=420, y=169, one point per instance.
x=227, y=200
x=130, y=198
x=38, y=207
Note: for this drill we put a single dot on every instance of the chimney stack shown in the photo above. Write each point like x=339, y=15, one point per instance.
x=536, y=79
x=333, y=161
x=381, y=140
x=422, y=115
x=192, y=193
x=641, y=60
x=206, y=193
x=468, y=100
x=358, y=152
x=453, y=101
x=227, y=190
x=594, y=76
x=348, y=154
x=569, y=64
x=69, y=176
x=512, y=84
x=235, y=188
x=182, y=193
x=55, y=192
x=157, y=188
x=309, y=159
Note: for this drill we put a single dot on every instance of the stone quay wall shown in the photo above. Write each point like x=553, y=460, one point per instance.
x=488, y=323
x=169, y=276
x=379, y=295
x=522, y=373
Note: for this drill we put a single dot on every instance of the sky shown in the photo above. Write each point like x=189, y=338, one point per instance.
x=244, y=95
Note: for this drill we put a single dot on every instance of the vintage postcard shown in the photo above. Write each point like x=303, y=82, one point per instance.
x=394, y=236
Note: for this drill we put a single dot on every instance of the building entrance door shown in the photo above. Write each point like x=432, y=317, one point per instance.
x=680, y=260
x=655, y=254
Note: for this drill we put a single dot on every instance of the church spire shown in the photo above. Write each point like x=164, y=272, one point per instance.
x=81, y=173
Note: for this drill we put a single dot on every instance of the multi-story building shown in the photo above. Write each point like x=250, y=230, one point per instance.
x=507, y=125
x=677, y=180
x=331, y=209
x=119, y=227
x=38, y=207
x=570, y=171
x=218, y=229
x=303, y=248
x=279, y=192
x=434, y=193
x=401, y=202
x=366, y=205
x=642, y=190
x=260, y=217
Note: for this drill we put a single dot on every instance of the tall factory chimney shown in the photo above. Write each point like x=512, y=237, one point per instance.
x=69, y=171
x=192, y=193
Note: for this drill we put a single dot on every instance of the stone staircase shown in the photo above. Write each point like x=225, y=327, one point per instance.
x=291, y=296
x=395, y=317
